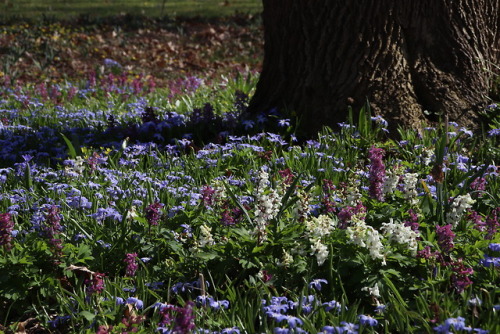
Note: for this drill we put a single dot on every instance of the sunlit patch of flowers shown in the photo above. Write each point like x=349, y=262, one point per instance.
x=163, y=211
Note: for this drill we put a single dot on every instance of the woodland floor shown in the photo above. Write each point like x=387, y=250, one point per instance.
x=164, y=48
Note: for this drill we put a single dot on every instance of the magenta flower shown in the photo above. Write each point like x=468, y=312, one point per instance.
x=53, y=226
x=95, y=284
x=461, y=275
x=153, y=214
x=184, y=321
x=492, y=223
x=413, y=221
x=445, y=237
x=6, y=227
x=376, y=173
x=132, y=266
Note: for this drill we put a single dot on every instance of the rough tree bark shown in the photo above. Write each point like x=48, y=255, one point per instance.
x=404, y=57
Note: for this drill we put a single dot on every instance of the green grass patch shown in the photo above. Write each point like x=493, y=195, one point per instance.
x=64, y=9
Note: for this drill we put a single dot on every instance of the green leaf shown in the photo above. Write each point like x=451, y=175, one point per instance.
x=87, y=315
x=71, y=148
x=206, y=256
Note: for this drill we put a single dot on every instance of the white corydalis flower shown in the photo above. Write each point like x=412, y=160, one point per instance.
x=375, y=292
x=321, y=252
x=401, y=234
x=410, y=187
x=391, y=181
x=268, y=203
x=205, y=236
x=302, y=209
x=460, y=204
x=316, y=229
x=365, y=236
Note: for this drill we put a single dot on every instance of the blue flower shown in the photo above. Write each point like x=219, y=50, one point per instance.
x=119, y=301
x=230, y=330
x=284, y=122
x=349, y=328
x=217, y=304
x=59, y=320
x=111, y=63
x=139, y=304
x=494, y=247
x=457, y=324
x=493, y=132
x=380, y=309
x=366, y=320
x=290, y=319
x=332, y=305
x=316, y=283
x=329, y=330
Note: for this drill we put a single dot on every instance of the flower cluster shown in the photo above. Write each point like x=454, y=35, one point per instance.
x=366, y=236
x=152, y=213
x=6, y=227
x=401, y=234
x=317, y=228
x=132, y=266
x=376, y=173
x=458, y=207
x=267, y=204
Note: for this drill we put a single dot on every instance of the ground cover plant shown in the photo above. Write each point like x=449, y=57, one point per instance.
x=130, y=204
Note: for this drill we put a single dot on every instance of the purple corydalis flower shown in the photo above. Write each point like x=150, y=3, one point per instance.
x=461, y=275
x=53, y=226
x=95, y=284
x=207, y=195
x=376, y=173
x=132, y=266
x=492, y=223
x=413, y=221
x=153, y=214
x=6, y=227
x=445, y=237
x=479, y=184
x=184, y=321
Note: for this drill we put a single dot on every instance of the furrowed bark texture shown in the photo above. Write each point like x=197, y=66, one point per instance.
x=404, y=57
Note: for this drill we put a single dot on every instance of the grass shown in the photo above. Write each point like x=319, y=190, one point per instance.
x=64, y=9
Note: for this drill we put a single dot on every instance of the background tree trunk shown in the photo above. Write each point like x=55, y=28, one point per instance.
x=404, y=57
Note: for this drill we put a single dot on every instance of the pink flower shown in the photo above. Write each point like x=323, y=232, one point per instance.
x=377, y=173
x=6, y=226
x=132, y=266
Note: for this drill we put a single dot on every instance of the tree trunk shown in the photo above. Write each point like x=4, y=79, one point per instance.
x=412, y=60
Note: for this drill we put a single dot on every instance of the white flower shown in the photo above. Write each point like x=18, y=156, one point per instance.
x=375, y=292
x=401, y=234
x=302, y=209
x=410, y=184
x=267, y=204
x=287, y=259
x=205, y=236
x=321, y=252
x=319, y=227
x=366, y=236
x=460, y=204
